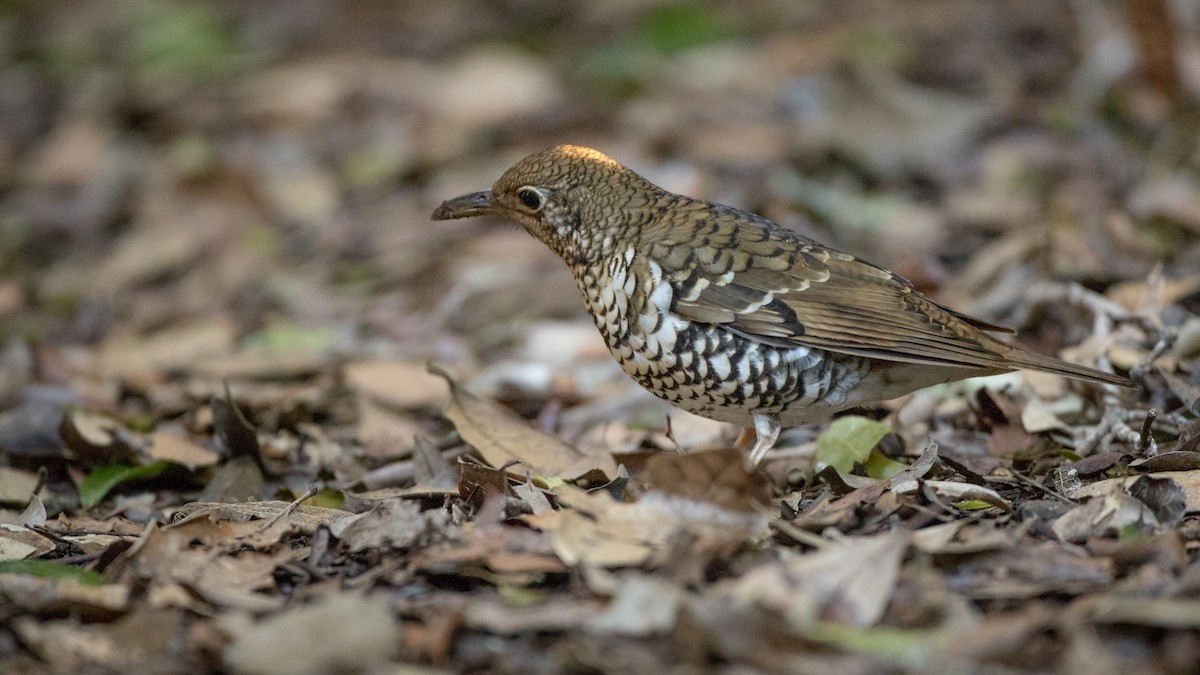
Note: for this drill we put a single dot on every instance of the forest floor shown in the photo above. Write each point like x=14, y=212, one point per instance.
x=260, y=414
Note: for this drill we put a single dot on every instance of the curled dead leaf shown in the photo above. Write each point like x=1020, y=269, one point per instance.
x=850, y=581
x=1105, y=515
x=1188, y=482
x=94, y=438
x=18, y=543
x=954, y=491
x=502, y=438
x=596, y=530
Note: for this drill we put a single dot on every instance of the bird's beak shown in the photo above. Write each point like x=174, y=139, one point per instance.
x=474, y=204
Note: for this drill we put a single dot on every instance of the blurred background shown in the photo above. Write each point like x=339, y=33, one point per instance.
x=184, y=183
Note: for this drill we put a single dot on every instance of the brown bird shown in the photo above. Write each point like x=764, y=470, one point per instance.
x=728, y=315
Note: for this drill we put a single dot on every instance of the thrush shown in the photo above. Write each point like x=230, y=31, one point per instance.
x=730, y=316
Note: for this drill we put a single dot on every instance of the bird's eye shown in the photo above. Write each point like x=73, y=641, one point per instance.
x=532, y=199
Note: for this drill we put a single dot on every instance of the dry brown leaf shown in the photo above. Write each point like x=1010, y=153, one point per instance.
x=392, y=524
x=580, y=539
x=340, y=632
x=208, y=571
x=1031, y=569
x=306, y=518
x=383, y=433
x=642, y=606
x=510, y=555
x=1007, y=439
x=1105, y=515
x=175, y=448
x=95, y=543
x=841, y=511
x=17, y=486
x=18, y=543
x=954, y=491
x=533, y=497
x=715, y=476
x=503, y=618
x=261, y=363
x=1037, y=417
x=1174, y=461
x=1136, y=294
x=399, y=384
x=1188, y=481
x=178, y=347
x=235, y=481
x=95, y=438
x=961, y=536
x=34, y=514
x=596, y=530
x=220, y=532
x=68, y=646
x=850, y=581
x=502, y=438
x=62, y=597
x=413, y=492
x=1112, y=608
x=116, y=525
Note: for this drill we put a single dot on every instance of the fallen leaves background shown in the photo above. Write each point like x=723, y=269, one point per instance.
x=258, y=413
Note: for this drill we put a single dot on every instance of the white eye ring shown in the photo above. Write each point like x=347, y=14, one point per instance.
x=531, y=198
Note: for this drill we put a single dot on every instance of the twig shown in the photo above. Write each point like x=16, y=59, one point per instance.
x=1104, y=311
x=799, y=534
x=78, y=559
x=1096, y=436
x=1166, y=339
x=1145, y=443
x=1033, y=483
x=308, y=494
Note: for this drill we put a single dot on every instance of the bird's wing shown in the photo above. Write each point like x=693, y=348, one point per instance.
x=768, y=284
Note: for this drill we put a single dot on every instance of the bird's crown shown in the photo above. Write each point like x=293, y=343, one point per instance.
x=564, y=167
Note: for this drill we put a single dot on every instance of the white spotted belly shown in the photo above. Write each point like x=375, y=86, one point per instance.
x=707, y=370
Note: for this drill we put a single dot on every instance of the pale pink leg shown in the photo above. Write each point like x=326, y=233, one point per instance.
x=766, y=431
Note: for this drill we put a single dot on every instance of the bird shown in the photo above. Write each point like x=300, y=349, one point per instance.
x=731, y=316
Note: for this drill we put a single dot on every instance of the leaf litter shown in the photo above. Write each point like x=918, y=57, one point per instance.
x=223, y=448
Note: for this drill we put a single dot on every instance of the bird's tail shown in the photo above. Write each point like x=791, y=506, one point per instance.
x=1021, y=358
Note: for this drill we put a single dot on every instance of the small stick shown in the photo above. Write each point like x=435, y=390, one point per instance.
x=1144, y=439
x=310, y=492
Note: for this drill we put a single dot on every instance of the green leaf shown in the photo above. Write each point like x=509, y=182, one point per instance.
x=103, y=479
x=1130, y=532
x=879, y=465
x=327, y=499
x=285, y=337
x=672, y=29
x=900, y=644
x=51, y=570
x=972, y=505
x=848, y=440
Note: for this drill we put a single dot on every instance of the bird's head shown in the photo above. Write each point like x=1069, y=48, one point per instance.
x=576, y=200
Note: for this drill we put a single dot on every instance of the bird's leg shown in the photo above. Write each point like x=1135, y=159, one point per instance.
x=766, y=431
x=744, y=440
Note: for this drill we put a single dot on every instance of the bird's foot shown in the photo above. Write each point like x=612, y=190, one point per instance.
x=766, y=431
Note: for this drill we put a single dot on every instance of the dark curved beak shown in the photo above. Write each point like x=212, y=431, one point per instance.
x=474, y=204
